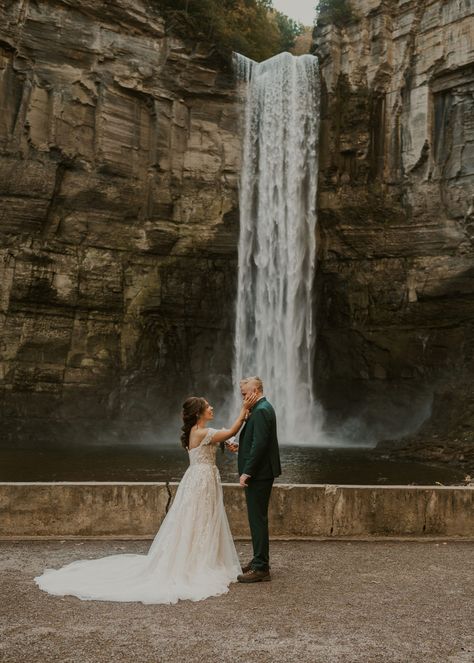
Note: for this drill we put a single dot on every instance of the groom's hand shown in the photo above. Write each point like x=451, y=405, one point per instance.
x=232, y=447
x=243, y=480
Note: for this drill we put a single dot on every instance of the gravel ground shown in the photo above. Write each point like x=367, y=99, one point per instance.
x=328, y=602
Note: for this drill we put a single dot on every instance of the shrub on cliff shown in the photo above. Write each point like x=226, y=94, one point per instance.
x=339, y=12
x=250, y=27
x=289, y=31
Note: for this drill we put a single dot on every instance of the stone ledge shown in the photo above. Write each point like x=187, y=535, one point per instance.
x=303, y=511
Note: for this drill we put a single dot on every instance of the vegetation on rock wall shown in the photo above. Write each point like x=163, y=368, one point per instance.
x=289, y=31
x=250, y=27
x=339, y=12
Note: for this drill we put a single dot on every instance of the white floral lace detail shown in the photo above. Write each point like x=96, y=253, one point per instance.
x=205, y=453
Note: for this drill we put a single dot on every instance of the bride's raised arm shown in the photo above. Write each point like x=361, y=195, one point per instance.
x=226, y=433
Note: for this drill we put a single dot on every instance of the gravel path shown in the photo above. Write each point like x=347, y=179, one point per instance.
x=328, y=602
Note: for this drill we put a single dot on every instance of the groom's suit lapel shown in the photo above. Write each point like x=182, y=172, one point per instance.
x=244, y=429
x=262, y=401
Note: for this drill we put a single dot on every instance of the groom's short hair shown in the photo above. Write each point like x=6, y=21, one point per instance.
x=256, y=381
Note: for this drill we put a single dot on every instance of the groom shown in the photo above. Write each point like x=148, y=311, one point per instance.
x=259, y=464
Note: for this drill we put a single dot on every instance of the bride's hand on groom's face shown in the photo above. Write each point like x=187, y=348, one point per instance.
x=250, y=400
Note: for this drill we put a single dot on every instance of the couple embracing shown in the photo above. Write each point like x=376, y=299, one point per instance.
x=193, y=555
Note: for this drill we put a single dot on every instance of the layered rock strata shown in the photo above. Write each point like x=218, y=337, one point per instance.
x=396, y=217
x=119, y=156
x=119, y=159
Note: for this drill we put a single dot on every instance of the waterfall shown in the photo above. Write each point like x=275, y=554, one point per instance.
x=275, y=326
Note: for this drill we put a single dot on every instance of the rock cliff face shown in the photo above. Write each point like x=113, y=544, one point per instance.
x=119, y=225
x=396, y=284
x=118, y=198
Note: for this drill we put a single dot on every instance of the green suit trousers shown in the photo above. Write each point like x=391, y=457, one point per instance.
x=257, y=495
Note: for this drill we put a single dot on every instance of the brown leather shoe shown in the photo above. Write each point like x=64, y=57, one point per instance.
x=247, y=567
x=254, y=576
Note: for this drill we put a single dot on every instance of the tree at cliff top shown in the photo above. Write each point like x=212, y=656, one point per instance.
x=303, y=42
x=250, y=27
x=289, y=31
x=339, y=12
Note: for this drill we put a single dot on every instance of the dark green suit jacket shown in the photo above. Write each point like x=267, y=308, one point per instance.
x=259, y=455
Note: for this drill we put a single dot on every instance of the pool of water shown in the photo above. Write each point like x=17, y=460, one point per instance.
x=300, y=465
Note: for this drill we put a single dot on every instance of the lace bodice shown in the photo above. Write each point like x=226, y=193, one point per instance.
x=205, y=453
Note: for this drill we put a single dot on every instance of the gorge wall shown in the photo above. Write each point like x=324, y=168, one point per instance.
x=396, y=221
x=119, y=160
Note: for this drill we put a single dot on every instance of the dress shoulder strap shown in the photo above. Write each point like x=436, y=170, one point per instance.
x=208, y=437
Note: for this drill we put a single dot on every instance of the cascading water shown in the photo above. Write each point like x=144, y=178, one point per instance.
x=275, y=326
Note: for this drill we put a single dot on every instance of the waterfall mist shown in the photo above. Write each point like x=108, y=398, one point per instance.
x=275, y=326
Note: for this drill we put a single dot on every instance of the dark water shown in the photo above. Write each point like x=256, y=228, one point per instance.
x=300, y=465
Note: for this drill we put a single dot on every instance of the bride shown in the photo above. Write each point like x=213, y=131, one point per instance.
x=193, y=554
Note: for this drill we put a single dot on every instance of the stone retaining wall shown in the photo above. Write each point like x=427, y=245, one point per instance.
x=135, y=510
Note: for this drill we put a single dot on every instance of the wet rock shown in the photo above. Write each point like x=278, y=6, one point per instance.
x=118, y=163
x=396, y=275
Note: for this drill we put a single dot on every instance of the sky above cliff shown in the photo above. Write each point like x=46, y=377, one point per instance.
x=300, y=10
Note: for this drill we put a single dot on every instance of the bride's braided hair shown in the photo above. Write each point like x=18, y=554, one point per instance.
x=193, y=407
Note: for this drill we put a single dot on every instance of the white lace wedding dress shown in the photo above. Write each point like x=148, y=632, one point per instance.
x=192, y=556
